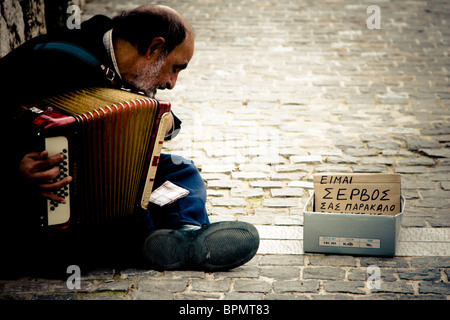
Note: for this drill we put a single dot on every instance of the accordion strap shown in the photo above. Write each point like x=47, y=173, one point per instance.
x=81, y=54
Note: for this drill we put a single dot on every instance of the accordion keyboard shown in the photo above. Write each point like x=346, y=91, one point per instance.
x=59, y=213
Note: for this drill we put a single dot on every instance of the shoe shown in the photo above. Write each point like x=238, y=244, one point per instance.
x=215, y=247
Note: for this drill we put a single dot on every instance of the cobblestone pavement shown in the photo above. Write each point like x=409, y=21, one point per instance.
x=278, y=91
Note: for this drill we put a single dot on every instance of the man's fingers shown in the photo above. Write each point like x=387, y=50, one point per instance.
x=38, y=167
x=55, y=185
x=40, y=172
x=45, y=176
x=46, y=189
x=44, y=162
x=37, y=155
x=53, y=197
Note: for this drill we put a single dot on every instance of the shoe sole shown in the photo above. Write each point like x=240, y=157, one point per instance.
x=216, y=247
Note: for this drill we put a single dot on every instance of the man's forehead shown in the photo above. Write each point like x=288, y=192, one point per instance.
x=183, y=53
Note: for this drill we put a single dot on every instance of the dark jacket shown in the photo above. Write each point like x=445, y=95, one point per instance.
x=34, y=74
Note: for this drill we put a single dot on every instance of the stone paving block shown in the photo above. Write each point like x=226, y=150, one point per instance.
x=332, y=260
x=436, y=153
x=223, y=184
x=217, y=168
x=384, y=262
x=280, y=247
x=421, y=274
x=354, y=287
x=292, y=220
x=228, y=202
x=169, y=285
x=416, y=143
x=425, y=234
x=434, y=288
x=280, y=232
x=287, y=192
x=416, y=162
x=411, y=169
x=226, y=213
x=252, y=286
x=248, y=175
x=395, y=287
x=377, y=160
x=266, y=184
x=369, y=169
x=292, y=176
x=324, y=273
x=280, y=273
x=244, y=296
x=360, y=152
x=431, y=262
x=295, y=286
x=333, y=168
x=152, y=295
x=113, y=286
x=197, y=296
x=305, y=159
x=301, y=184
x=281, y=202
x=342, y=159
x=281, y=260
x=211, y=285
x=415, y=249
x=384, y=145
x=393, y=98
x=247, y=193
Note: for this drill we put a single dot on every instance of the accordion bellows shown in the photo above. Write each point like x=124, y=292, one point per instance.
x=114, y=141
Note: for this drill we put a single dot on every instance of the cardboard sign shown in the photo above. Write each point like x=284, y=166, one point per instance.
x=374, y=194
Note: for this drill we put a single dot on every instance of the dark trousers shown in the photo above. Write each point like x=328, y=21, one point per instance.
x=188, y=210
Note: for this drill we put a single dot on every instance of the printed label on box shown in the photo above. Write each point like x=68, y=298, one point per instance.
x=349, y=242
x=329, y=241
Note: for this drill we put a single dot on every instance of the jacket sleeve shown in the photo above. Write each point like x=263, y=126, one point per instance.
x=176, y=127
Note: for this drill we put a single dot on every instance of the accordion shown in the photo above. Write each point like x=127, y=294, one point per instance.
x=111, y=140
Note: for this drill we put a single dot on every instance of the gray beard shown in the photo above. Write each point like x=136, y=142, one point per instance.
x=146, y=77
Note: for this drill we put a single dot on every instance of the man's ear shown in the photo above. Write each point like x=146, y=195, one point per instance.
x=155, y=47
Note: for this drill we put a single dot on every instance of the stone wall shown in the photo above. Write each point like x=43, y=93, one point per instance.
x=21, y=20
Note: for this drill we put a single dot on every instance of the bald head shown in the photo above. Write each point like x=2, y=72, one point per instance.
x=141, y=25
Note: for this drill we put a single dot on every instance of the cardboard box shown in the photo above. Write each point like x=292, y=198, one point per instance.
x=347, y=233
x=365, y=193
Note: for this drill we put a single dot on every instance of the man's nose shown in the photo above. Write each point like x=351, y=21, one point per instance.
x=170, y=84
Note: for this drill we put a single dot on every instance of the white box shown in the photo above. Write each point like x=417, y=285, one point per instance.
x=346, y=233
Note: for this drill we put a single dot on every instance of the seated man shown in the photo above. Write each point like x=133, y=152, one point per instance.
x=141, y=50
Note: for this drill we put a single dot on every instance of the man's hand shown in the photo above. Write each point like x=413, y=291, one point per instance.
x=39, y=170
